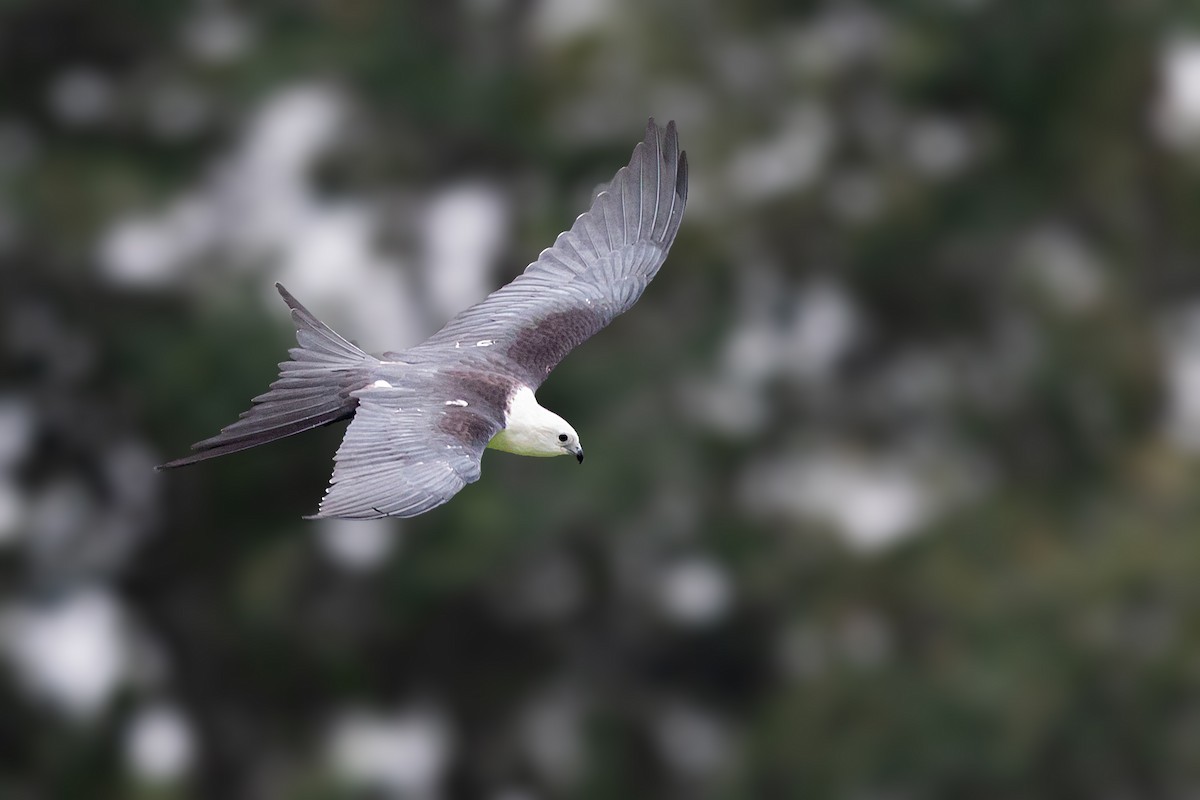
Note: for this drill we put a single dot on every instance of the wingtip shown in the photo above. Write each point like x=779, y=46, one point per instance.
x=286, y=295
x=663, y=139
x=651, y=137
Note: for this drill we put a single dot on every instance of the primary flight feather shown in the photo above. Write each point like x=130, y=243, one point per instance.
x=421, y=418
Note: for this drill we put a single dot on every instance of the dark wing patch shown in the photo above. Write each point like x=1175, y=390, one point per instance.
x=539, y=347
x=595, y=271
x=491, y=389
x=466, y=426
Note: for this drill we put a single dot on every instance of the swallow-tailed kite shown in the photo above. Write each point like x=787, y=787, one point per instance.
x=421, y=418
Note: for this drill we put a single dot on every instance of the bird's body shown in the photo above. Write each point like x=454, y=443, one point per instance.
x=421, y=418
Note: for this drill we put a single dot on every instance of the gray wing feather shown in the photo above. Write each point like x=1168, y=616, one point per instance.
x=594, y=272
x=405, y=453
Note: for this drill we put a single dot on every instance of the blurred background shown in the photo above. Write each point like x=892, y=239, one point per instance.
x=892, y=486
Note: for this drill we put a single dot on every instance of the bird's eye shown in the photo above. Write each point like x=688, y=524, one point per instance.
x=562, y=437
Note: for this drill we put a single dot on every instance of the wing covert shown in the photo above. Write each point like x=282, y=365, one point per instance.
x=595, y=271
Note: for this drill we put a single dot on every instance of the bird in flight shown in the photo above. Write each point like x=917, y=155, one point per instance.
x=421, y=418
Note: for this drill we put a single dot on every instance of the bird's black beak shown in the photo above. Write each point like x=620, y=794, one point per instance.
x=578, y=451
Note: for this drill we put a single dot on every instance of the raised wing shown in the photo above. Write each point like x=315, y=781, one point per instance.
x=594, y=272
x=407, y=450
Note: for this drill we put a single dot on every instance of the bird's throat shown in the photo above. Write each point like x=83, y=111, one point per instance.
x=529, y=429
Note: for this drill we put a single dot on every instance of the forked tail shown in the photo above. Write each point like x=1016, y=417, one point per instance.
x=313, y=389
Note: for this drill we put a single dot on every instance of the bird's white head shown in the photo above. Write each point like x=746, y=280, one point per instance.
x=531, y=430
x=563, y=437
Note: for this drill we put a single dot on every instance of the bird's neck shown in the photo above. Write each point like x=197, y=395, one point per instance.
x=529, y=429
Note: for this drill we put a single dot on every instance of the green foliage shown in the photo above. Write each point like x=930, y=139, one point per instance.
x=1033, y=634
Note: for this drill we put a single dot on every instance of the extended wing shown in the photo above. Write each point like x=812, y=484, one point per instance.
x=594, y=272
x=409, y=449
